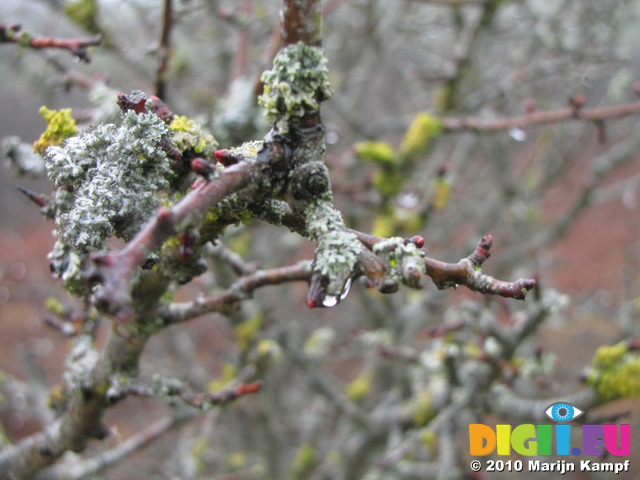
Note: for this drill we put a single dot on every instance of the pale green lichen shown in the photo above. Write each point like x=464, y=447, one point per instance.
x=295, y=86
x=248, y=149
x=405, y=261
x=615, y=372
x=337, y=250
x=108, y=179
x=274, y=211
x=322, y=217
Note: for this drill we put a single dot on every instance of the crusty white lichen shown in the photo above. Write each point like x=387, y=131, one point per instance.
x=22, y=157
x=297, y=83
x=108, y=178
x=67, y=265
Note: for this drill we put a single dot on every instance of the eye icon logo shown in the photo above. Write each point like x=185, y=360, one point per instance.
x=563, y=412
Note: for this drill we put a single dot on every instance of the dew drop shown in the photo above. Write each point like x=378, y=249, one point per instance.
x=345, y=290
x=408, y=200
x=518, y=134
x=330, y=301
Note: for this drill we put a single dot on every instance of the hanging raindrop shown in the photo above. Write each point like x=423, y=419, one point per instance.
x=345, y=290
x=330, y=301
x=518, y=134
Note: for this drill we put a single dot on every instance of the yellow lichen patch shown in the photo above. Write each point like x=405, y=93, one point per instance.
x=422, y=411
x=384, y=225
x=615, y=372
x=188, y=135
x=421, y=132
x=60, y=126
x=304, y=462
x=388, y=181
x=236, y=461
x=359, y=387
x=441, y=193
x=229, y=373
x=377, y=152
x=610, y=355
x=246, y=331
x=181, y=123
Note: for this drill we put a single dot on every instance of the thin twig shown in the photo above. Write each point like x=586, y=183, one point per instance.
x=77, y=46
x=104, y=460
x=467, y=272
x=454, y=124
x=164, y=50
x=240, y=290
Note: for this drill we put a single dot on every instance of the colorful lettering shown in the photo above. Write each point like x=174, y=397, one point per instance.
x=531, y=440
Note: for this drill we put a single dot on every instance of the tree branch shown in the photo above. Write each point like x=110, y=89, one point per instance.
x=115, y=270
x=467, y=272
x=240, y=290
x=302, y=22
x=164, y=49
x=77, y=46
x=104, y=460
x=540, y=118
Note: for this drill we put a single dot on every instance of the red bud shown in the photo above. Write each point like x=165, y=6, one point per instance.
x=202, y=167
x=226, y=158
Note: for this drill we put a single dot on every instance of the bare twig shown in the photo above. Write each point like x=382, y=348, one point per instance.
x=540, y=118
x=467, y=272
x=106, y=459
x=302, y=22
x=239, y=64
x=235, y=261
x=164, y=49
x=77, y=46
x=240, y=290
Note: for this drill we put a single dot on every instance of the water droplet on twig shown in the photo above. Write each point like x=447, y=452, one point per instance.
x=330, y=301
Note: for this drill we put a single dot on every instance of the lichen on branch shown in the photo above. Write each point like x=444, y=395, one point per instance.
x=295, y=86
x=615, y=371
x=108, y=178
x=337, y=249
x=60, y=126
